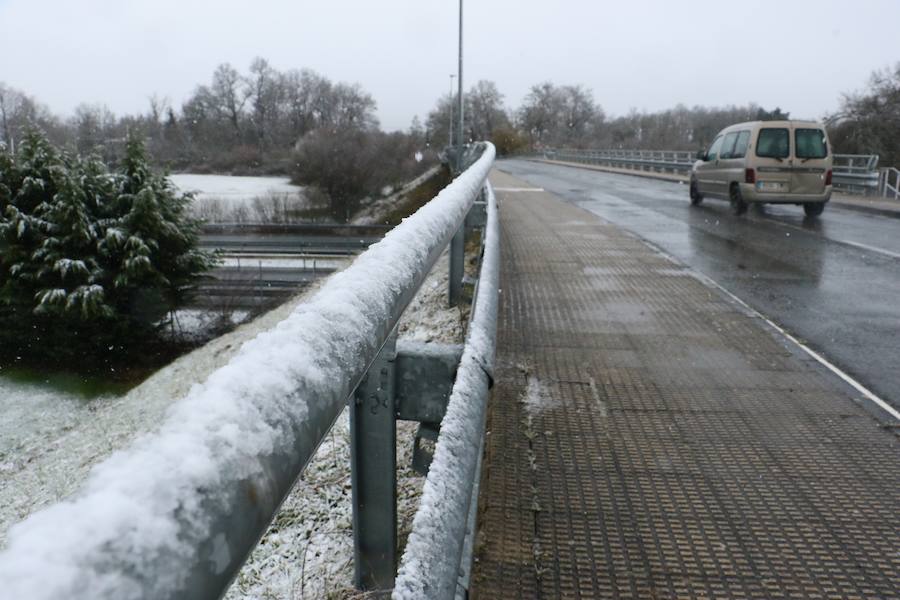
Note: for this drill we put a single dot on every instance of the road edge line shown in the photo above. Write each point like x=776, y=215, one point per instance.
x=866, y=392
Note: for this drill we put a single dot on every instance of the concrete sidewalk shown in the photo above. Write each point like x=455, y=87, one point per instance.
x=649, y=438
x=884, y=207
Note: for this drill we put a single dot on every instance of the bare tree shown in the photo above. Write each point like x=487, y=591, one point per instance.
x=437, y=125
x=539, y=115
x=351, y=107
x=484, y=110
x=869, y=122
x=264, y=92
x=94, y=126
x=227, y=96
x=17, y=110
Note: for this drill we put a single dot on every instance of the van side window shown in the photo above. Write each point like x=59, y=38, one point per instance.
x=810, y=143
x=728, y=146
x=773, y=143
x=713, y=151
x=740, y=147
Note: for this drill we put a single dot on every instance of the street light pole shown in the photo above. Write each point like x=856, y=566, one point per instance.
x=452, y=124
x=459, y=99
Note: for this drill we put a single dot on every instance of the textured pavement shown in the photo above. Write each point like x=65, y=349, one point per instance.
x=647, y=438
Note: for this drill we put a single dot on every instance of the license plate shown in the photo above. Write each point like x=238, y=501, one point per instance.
x=769, y=186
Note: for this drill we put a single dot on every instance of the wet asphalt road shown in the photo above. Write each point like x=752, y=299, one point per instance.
x=833, y=282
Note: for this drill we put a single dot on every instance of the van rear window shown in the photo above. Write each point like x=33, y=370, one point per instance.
x=773, y=143
x=740, y=148
x=810, y=143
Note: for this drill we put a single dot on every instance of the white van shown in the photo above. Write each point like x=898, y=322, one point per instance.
x=777, y=162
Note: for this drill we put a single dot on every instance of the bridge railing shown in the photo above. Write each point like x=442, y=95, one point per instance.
x=438, y=557
x=856, y=173
x=176, y=514
x=890, y=183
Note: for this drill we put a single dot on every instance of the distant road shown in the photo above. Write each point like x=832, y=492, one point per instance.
x=833, y=282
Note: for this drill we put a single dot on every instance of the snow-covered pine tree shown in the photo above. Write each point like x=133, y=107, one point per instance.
x=90, y=261
x=25, y=186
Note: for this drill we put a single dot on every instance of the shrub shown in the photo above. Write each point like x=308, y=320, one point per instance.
x=351, y=164
x=90, y=260
x=508, y=141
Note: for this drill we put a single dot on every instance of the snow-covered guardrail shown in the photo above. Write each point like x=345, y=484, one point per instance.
x=176, y=514
x=437, y=560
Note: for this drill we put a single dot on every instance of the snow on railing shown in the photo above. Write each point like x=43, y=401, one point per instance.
x=176, y=514
x=437, y=550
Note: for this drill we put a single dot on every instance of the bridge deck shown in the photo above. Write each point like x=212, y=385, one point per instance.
x=648, y=438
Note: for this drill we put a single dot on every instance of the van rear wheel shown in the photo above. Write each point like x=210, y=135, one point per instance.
x=738, y=206
x=813, y=209
x=696, y=196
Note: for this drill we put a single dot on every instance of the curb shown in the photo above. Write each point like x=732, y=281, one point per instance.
x=872, y=210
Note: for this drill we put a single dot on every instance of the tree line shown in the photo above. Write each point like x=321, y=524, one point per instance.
x=867, y=122
x=258, y=122
x=264, y=121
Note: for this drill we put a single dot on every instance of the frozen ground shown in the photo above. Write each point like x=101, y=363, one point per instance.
x=231, y=187
x=49, y=441
x=226, y=198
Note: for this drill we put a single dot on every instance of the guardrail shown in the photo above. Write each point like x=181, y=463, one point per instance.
x=675, y=161
x=176, y=515
x=852, y=172
x=890, y=183
x=856, y=173
x=438, y=557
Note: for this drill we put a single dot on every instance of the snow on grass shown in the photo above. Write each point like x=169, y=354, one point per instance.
x=49, y=440
x=226, y=198
x=376, y=212
x=232, y=188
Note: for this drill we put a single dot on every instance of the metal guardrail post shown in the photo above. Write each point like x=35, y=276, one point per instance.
x=412, y=382
x=373, y=460
x=457, y=264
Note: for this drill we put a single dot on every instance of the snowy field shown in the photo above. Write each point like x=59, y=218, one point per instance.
x=225, y=198
x=238, y=189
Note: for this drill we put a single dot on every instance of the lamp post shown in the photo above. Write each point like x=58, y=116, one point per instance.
x=450, y=131
x=459, y=99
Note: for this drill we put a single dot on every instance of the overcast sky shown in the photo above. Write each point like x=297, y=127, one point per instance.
x=644, y=54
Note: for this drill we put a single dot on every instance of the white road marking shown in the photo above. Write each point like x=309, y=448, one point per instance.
x=871, y=248
x=868, y=394
x=819, y=358
x=830, y=239
x=517, y=189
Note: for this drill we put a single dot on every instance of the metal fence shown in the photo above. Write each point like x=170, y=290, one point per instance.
x=200, y=494
x=856, y=173
x=890, y=183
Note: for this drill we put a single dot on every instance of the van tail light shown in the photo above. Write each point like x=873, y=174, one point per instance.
x=828, y=175
x=750, y=176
